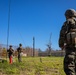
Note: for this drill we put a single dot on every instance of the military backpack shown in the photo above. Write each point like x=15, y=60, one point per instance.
x=71, y=32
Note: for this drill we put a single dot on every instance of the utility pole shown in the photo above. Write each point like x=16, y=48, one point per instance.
x=8, y=25
x=33, y=46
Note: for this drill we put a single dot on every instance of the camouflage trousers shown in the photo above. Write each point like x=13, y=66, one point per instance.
x=19, y=57
x=70, y=61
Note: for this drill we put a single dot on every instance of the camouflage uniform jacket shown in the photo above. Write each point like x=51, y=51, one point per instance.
x=19, y=50
x=65, y=29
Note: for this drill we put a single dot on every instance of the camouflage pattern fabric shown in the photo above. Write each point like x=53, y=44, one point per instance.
x=70, y=61
x=70, y=50
x=65, y=30
x=19, y=54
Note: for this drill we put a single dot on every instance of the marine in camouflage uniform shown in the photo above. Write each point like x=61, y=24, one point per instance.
x=20, y=50
x=67, y=40
x=10, y=52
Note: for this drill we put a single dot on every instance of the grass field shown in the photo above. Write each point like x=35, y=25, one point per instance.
x=34, y=66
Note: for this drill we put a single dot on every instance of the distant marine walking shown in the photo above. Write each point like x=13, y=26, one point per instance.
x=10, y=54
x=67, y=40
x=20, y=51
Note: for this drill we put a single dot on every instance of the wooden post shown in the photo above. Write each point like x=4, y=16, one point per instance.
x=33, y=46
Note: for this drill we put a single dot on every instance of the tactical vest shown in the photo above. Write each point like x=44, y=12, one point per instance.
x=71, y=34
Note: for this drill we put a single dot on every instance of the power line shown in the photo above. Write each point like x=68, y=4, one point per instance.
x=18, y=30
x=8, y=29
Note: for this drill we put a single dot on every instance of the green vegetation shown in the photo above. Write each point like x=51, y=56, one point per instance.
x=34, y=66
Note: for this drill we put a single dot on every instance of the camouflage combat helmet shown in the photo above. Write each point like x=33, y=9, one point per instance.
x=70, y=13
x=20, y=44
x=10, y=46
